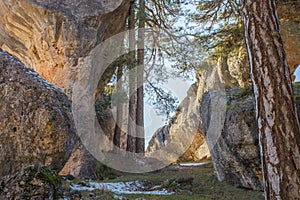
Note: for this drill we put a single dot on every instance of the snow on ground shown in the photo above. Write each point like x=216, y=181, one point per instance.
x=194, y=164
x=134, y=187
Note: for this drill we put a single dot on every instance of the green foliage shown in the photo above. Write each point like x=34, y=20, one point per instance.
x=228, y=39
x=49, y=176
x=240, y=98
x=103, y=172
x=296, y=88
x=44, y=174
x=223, y=30
x=164, y=102
x=245, y=91
x=102, y=104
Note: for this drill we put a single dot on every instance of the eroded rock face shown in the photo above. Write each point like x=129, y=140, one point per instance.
x=290, y=28
x=159, y=139
x=235, y=152
x=183, y=138
x=36, y=124
x=186, y=125
x=81, y=163
x=50, y=36
x=32, y=182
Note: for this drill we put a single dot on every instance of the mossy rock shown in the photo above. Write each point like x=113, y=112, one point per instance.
x=32, y=182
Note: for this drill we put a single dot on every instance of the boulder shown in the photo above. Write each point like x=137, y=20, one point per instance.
x=32, y=182
x=235, y=150
x=81, y=163
x=53, y=38
x=36, y=124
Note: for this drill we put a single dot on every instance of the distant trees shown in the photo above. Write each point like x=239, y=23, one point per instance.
x=276, y=112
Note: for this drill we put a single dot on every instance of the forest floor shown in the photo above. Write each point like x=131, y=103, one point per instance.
x=174, y=182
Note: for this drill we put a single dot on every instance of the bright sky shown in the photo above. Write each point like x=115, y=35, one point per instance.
x=178, y=88
x=297, y=74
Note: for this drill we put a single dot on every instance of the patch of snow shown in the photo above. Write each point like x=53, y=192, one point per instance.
x=81, y=188
x=134, y=187
x=118, y=197
x=193, y=164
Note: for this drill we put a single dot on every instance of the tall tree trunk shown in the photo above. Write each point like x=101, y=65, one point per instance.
x=118, y=129
x=131, y=134
x=275, y=109
x=140, y=140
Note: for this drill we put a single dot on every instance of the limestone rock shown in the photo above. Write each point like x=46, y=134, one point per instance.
x=175, y=140
x=36, y=124
x=223, y=70
x=235, y=153
x=50, y=36
x=234, y=68
x=32, y=182
x=182, y=139
x=290, y=28
x=238, y=66
x=81, y=163
x=159, y=139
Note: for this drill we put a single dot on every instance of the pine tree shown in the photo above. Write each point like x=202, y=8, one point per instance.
x=131, y=133
x=279, y=130
x=140, y=140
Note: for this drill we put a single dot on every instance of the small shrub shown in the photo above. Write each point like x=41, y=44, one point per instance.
x=103, y=172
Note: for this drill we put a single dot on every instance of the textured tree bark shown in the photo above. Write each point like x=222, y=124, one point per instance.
x=275, y=109
x=140, y=140
x=131, y=134
x=118, y=130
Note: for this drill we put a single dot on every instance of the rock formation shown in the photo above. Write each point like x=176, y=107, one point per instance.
x=235, y=151
x=174, y=140
x=36, y=124
x=32, y=182
x=50, y=36
x=81, y=163
x=159, y=139
x=234, y=69
x=290, y=28
x=183, y=138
